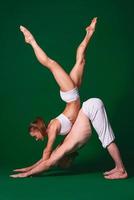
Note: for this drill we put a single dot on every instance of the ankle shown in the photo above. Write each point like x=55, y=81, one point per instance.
x=120, y=169
x=33, y=43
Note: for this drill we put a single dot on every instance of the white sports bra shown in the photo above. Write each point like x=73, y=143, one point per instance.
x=65, y=123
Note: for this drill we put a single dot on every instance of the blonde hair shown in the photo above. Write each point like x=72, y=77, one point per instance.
x=38, y=124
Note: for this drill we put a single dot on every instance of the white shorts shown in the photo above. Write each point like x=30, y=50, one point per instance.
x=94, y=109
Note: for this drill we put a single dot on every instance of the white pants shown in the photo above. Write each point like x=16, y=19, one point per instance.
x=94, y=109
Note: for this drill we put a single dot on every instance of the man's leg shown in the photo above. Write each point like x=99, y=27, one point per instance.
x=76, y=73
x=95, y=111
x=62, y=78
x=119, y=170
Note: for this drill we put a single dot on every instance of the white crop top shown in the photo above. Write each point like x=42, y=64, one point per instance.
x=65, y=123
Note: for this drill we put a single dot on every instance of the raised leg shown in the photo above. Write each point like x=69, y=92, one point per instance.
x=62, y=78
x=76, y=73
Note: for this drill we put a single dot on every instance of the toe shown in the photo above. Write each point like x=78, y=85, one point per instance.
x=108, y=177
x=22, y=28
x=117, y=175
x=105, y=173
x=94, y=19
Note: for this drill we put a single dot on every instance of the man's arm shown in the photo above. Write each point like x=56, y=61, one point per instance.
x=38, y=169
x=43, y=165
x=26, y=169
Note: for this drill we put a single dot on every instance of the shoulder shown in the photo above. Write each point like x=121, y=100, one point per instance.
x=53, y=126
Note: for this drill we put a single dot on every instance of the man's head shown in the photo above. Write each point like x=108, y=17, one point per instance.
x=37, y=129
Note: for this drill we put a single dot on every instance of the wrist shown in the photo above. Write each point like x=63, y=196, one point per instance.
x=47, y=151
x=29, y=173
x=33, y=43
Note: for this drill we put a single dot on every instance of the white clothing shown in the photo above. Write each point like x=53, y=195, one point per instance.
x=94, y=109
x=65, y=123
x=69, y=96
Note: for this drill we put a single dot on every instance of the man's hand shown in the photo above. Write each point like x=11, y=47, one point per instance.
x=21, y=175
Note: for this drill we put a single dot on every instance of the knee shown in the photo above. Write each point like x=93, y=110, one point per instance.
x=94, y=102
x=80, y=60
x=91, y=106
x=51, y=63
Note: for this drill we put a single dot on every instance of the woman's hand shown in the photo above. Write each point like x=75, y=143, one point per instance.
x=26, y=169
x=23, y=169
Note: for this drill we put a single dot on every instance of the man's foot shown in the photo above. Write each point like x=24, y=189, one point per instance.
x=91, y=28
x=117, y=175
x=111, y=171
x=28, y=36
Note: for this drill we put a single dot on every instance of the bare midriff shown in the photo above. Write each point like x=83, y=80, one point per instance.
x=72, y=109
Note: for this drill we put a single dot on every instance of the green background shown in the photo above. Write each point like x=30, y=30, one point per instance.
x=28, y=90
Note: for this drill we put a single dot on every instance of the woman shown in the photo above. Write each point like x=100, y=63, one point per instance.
x=68, y=84
x=78, y=124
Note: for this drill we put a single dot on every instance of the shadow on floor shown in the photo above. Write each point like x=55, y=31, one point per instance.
x=99, y=165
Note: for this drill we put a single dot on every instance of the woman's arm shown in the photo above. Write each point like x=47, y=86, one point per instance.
x=46, y=153
x=38, y=169
x=51, y=139
x=26, y=169
x=41, y=165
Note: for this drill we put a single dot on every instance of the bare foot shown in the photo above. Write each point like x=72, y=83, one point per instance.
x=28, y=36
x=117, y=175
x=110, y=172
x=91, y=28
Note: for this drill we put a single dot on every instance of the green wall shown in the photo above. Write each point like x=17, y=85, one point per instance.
x=28, y=90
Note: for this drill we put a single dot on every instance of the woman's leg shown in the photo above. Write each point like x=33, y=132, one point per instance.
x=76, y=73
x=62, y=78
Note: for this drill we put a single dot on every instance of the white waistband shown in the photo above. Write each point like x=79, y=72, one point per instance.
x=71, y=95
